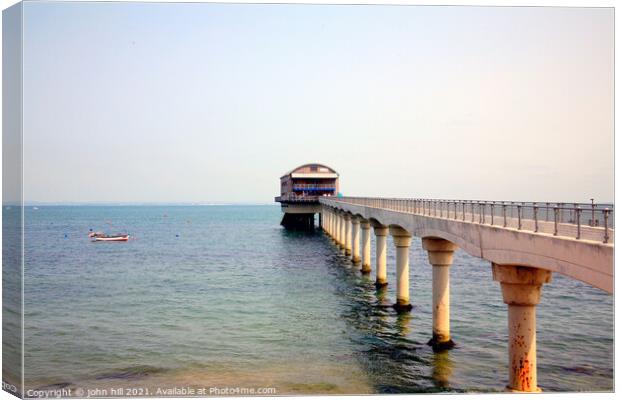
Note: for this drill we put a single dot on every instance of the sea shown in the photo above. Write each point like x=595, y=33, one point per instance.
x=214, y=298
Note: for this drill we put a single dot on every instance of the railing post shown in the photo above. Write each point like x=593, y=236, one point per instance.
x=535, y=218
x=519, y=216
x=606, y=218
x=556, y=212
x=578, y=217
x=472, y=212
x=575, y=205
x=504, y=212
x=492, y=213
x=463, y=211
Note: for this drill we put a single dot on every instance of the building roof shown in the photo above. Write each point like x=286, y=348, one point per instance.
x=313, y=175
x=323, y=174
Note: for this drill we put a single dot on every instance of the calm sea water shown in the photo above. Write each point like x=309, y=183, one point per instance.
x=223, y=296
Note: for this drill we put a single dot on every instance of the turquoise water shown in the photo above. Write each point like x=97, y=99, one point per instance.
x=222, y=295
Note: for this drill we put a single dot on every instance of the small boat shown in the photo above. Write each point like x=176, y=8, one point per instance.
x=102, y=237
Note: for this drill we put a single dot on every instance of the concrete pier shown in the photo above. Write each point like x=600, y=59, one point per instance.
x=355, y=240
x=440, y=255
x=402, y=241
x=365, y=226
x=298, y=221
x=381, y=233
x=521, y=287
x=522, y=249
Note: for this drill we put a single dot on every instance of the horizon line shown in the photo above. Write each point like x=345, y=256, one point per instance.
x=135, y=203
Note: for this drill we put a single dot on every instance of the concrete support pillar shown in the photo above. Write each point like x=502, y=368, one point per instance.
x=521, y=287
x=355, y=240
x=343, y=232
x=381, y=254
x=365, y=226
x=402, y=240
x=336, y=234
x=440, y=255
x=336, y=231
x=328, y=222
x=347, y=234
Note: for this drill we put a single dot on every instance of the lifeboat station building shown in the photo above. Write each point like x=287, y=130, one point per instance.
x=300, y=190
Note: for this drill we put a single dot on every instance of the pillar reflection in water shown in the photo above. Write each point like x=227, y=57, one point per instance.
x=382, y=297
x=403, y=324
x=442, y=369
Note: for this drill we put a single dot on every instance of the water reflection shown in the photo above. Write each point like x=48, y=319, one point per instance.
x=403, y=324
x=382, y=299
x=442, y=369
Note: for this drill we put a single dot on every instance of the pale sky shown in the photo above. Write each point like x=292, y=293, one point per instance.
x=214, y=102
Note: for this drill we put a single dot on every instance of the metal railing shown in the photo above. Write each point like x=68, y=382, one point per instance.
x=585, y=221
x=302, y=186
x=293, y=197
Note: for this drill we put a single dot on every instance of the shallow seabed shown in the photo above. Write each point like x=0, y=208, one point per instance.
x=222, y=296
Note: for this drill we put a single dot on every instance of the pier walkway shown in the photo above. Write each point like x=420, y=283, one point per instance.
x=524, y=242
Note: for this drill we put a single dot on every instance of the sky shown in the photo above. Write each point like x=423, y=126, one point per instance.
x=156, y=102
